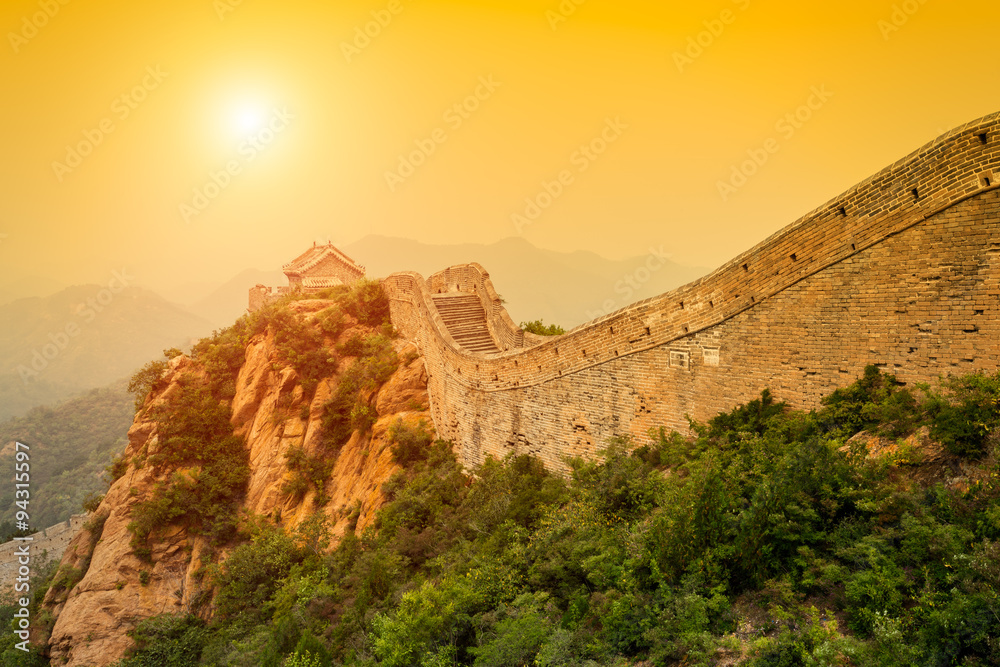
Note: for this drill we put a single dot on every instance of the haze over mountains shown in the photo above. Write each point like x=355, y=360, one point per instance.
x=82, y=337
x=558, y=287
x=561, y=288
x=58, y=345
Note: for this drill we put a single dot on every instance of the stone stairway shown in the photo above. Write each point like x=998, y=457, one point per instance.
x=465, y=318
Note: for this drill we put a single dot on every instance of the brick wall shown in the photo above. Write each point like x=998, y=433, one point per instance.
x=903, y=270
x=46, y=546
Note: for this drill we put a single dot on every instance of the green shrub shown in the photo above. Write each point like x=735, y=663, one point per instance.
x=346, y=412
x=305, y=659
x=367, y=303
x=166, y=641
x=222, y=354
x=517, y=637
x=427, y=620
x=253, y=572
x=145, y=380
x=310, y=652
x=409, y=444
x=877, y=402
x=539, y=328
x=117, y=469
x=308, y=471
x=92, y=502
x=874, y=592
x=963, y=423
x=299, y=342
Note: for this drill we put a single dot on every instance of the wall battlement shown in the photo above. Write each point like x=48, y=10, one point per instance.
x=45, y=546
x=901, y=271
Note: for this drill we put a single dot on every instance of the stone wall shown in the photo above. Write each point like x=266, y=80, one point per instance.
x=903, y=271
x=261, y=295
x=46, y=546
x=473, y=278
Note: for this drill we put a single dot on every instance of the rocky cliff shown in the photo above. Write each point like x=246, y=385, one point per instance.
x=105, y=588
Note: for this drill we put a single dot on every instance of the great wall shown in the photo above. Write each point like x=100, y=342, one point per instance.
x=902, y=271
x=45, y=546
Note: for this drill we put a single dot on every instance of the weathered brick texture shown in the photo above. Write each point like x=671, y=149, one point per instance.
x=902, y=271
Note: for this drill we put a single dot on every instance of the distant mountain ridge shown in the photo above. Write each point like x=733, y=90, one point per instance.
x=565, y=288
x=84, y=337
x=228, y=302
x=562, y=288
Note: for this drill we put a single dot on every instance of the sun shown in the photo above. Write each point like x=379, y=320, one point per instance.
x=248, y=119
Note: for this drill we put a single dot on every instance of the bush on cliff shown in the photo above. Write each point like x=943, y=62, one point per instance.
x=195, y=435
x=538, y=327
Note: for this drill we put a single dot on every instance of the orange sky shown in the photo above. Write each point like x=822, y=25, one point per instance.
x=309, y=118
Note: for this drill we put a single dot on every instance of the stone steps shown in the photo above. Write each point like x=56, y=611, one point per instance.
x=465, y=318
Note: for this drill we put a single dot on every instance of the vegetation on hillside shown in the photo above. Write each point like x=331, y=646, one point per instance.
x=196, y=437
x=71, y=445
x=765, y=538
x=58, y=347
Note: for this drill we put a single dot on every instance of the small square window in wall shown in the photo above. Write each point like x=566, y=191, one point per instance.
x=711, y=356
x=679, y=359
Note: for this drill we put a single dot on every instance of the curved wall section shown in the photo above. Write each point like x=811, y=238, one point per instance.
x=903, y=270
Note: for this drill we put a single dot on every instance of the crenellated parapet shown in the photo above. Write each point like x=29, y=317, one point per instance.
x=899, y=271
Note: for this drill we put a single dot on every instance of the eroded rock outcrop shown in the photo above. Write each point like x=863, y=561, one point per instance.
x=271, y=411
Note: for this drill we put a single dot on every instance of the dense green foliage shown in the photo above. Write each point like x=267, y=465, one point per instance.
x=211, y=468
x=763, y=539
x=539, y=327
x=71, y=445
x=144, y=380
x=350, y=407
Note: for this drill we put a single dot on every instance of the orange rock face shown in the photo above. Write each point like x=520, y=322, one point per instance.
x=92, y=619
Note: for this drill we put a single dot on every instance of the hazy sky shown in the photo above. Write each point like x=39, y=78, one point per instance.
x=117, y=114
